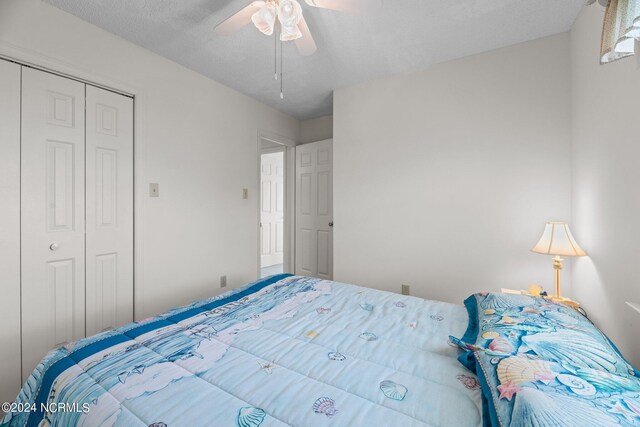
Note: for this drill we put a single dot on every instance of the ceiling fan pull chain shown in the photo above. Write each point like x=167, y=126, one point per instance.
x=275, y=55
x=281, y=82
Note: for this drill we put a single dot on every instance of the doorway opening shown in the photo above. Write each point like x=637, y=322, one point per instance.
x=271, y=213
x=274, y=207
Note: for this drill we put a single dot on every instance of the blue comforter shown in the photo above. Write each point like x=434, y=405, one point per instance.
x=287, y=350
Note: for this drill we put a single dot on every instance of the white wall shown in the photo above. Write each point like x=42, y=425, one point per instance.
x=606, y=174
x=443, y=178
x=317, y=129
x=196, y=137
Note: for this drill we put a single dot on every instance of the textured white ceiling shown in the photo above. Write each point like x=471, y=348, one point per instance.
x=401, y=36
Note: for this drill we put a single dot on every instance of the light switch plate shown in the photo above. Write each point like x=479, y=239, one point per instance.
x=406, y=290
x=154, y=189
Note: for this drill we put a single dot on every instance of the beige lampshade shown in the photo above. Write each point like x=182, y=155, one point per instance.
x=558, y=240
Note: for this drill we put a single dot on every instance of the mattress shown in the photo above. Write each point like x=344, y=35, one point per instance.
x=286, y=350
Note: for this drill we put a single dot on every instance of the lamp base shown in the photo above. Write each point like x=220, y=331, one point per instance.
x=557, y=266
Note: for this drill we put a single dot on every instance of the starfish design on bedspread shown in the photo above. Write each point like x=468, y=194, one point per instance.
x=508, y=389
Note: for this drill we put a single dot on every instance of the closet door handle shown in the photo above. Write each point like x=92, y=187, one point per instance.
x=54, y=246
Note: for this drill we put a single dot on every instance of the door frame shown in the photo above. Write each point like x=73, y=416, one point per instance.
x=287, y=147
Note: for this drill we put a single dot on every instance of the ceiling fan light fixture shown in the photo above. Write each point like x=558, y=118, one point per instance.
x=289, y=13
x=265, y=18
x=293, y=27
x=290, y=33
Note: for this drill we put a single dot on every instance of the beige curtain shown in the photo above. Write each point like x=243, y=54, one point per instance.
x=620, y=30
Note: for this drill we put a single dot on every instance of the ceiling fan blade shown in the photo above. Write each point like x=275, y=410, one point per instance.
x=239, y=20
x=305, y=44
x=351, y=6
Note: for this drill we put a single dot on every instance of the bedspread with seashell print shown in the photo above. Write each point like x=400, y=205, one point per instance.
x=542, y=363
x=285, y=350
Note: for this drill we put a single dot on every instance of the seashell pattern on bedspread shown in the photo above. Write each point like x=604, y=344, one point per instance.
x=283, y=351
x=542, y=363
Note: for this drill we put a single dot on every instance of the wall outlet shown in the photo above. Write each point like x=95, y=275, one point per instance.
x=223, y=281
x=154, y=189
x=406, y=290
x=245, y=193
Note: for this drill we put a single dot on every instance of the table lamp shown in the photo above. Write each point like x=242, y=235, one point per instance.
x=557, y=240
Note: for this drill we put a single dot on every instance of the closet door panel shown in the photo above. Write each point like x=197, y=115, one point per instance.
x=53, y=217
x=9, y=230
x=109, y=211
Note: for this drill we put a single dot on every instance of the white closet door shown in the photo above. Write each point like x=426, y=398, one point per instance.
x=272, y=208
x=314, y=209
x=52, y=230
x=10, y=375
x=109, y=244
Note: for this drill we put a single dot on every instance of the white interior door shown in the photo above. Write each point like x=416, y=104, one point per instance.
x=10, y=375
x=314, y=209
x=53, y=220
x=272, y=209
x=109, y=211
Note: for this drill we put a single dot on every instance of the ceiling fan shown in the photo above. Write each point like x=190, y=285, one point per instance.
x=287, y=14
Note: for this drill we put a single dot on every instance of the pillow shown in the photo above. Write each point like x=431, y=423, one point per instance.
x=543, y=363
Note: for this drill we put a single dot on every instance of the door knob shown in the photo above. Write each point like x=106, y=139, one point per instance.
x=331, y=224
x=54, y=246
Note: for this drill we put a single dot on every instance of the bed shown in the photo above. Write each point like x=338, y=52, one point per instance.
x=286, y=350
x=300, y=351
